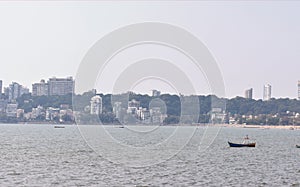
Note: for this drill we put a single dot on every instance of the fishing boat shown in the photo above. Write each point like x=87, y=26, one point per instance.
x=246, y=143
x=297, y=146
x=241, y=144
x=59, y=127
x=118, y=126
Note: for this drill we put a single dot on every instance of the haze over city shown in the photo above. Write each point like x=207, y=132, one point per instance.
x=254, y=43
x=149, y=93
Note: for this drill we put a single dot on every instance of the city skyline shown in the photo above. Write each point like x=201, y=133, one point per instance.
x=66, y=85
x=253, y=45
x=149, y=93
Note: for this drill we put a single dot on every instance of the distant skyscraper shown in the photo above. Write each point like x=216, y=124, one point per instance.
x=0, y=87
x=15, y=90
x=61, y=86
x=267, y=92
x=299, y=90
x=96, y=105
x=249, y=93
x=39, y=89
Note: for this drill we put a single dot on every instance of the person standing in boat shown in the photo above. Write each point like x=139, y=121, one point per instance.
x=246, y=139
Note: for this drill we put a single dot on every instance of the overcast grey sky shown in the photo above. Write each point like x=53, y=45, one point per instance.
x=254, y=43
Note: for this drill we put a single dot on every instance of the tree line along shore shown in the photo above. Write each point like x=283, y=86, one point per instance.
x=238, y=110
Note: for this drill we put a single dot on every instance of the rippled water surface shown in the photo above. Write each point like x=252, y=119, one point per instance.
x=41, y=155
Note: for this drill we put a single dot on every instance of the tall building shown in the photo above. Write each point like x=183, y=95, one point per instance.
x=39, y=89
x=15, y=90
x=267, y=92
x=96, y=105
x=60, y=86
x=299, y=90
x=249, y=93
x=24, y=90
x=0, y=87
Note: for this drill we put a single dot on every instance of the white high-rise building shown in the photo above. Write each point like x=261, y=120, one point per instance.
x=267, y=92
x=96, y=105
x=299, y=90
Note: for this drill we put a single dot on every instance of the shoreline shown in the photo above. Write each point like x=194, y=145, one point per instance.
x=288, y=127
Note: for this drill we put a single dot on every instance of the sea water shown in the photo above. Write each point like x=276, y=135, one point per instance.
x=41, y=155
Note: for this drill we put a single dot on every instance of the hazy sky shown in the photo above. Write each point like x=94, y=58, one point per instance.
x=254, y=43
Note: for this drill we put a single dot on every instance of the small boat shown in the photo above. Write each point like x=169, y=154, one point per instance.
x=61, y=127
x=241, y=144
x=119, y=126
x=297, y=146
x=246, y=143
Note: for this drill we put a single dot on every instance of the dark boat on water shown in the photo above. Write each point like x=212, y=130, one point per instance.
x=246, y=143
x=119, y=127
x=59, y=127
x=297, y=146
x=241, y=144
